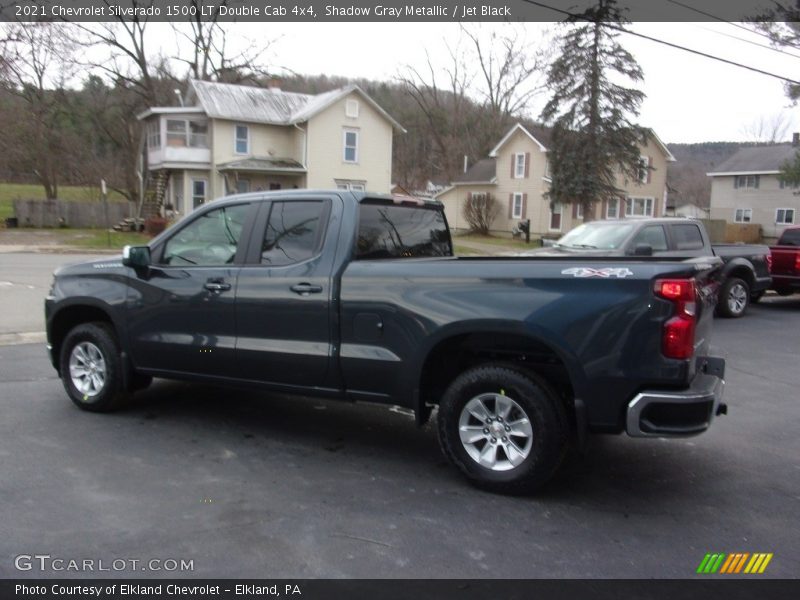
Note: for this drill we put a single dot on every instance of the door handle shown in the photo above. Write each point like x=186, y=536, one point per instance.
x=304, y=289
x=217, y=286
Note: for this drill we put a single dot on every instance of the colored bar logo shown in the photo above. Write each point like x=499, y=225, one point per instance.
x=731, y=564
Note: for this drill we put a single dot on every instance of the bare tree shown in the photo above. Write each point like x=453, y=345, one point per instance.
x=480, y=211
x=768, y=129
x=36, y=63
x=210, y=57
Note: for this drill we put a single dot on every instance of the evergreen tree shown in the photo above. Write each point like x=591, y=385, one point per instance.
x=593, y=137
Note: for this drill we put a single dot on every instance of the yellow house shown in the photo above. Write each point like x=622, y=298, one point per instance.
x=516, y=174
x=233, y=138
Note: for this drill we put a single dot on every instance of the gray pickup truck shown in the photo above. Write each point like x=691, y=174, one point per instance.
x=358, y=297
x=743, y=278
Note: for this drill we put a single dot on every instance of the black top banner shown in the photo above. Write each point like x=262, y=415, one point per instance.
x=372, y=11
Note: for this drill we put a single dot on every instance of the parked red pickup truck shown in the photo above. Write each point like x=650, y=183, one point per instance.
x=786, y=262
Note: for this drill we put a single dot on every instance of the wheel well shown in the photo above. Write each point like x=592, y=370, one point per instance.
x=454, y=355
x=68, y=318
x=744, y=274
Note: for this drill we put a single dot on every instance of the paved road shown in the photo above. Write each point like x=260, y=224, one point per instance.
x=255, y=485
x=24, y=281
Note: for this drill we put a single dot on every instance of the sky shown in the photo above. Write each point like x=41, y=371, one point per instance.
x=689, y=99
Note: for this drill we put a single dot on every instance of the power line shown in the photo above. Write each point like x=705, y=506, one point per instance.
x=666, y=43
x=754, y=43
x=739, y=25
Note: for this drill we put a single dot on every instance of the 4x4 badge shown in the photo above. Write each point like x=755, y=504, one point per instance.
x=617, y=272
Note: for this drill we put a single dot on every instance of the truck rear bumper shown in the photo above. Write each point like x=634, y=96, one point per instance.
x=660, y=413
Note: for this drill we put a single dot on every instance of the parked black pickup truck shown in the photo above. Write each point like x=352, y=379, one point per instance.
x=358, y=297
x=743, y=278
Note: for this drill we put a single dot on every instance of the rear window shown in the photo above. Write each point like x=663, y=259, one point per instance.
x=790, y=237
x=687, y=237
x=392, y=231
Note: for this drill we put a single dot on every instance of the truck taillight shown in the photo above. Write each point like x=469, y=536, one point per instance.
x=678, y=334
x=769, y=261
x=797, y=262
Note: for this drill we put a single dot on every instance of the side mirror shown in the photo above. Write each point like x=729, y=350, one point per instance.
x=643, y=250
x=136, y=256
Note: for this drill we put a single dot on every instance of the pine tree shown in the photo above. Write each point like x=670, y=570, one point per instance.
x=593, y=137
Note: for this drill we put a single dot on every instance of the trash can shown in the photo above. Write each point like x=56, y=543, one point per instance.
x=12, y=222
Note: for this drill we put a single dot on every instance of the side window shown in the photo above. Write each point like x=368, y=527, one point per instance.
x=209, y=240
x=687, y=237
x=653, y=236
x=388, y=231
x=293, y=232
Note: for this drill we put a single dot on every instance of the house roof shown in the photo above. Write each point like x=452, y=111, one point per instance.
x=483, y=171
x=263, y=165
x=756, y=160
x=270, y=106
x=511, y=132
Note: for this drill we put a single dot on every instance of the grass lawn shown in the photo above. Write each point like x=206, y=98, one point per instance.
x=99, y=238
x=511, y=244
x=13, y=191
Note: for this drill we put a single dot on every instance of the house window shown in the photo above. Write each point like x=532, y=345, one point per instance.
x=547, y=169
x=516, y=209
x=519, y=165
x=644, y=169
x=187, y=134
x=242, y=141
x=746, y=181
x=743, y=215
x=555, y=217
x=612, y=210
x=198, y=192
x=579, y=210
x=242, y=186
x=789, y=185
x=784, y=216
x=351, y=109
x=639, y=207
x=353, y=186
x=154, y=134
x=176, y=132
x=350, y=145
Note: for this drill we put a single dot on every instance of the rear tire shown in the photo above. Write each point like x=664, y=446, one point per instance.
x=734, y=298
x=91, y=367
x=505, y=429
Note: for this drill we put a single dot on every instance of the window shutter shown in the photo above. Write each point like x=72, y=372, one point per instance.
x=513, y=160
x=527, y=166
x=735, y=182
x=604, y=210
x=758, y=180
x=524, y=206
x=649, y=169
x=469, y=197
x=574, y=210
x=511, y=204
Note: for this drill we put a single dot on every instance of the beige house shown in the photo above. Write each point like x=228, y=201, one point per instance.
x=746, y=189
x=233, y=138
x=517, y=175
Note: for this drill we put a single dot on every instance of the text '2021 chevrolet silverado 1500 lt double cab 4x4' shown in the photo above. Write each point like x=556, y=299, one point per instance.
x=357, y=296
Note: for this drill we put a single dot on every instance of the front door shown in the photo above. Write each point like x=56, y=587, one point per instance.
x=284, y=293
x=181, y=310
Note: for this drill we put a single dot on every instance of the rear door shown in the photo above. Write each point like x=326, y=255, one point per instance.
x=181, y=311
x=285, y=292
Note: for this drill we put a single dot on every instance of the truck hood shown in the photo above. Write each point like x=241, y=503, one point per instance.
x=105, y=265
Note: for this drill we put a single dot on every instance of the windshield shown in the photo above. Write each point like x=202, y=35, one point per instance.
x=606, y=236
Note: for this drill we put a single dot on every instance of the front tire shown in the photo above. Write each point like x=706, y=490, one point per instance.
x=734, y=298
x=505, y=429
x=91, y=368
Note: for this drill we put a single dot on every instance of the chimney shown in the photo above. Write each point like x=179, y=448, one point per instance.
x=466, y=163
x=796, y=139
x=274, y=84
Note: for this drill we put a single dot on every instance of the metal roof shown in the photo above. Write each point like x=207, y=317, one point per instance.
x=262, y=164
x=271, y=106
x=755, y=160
